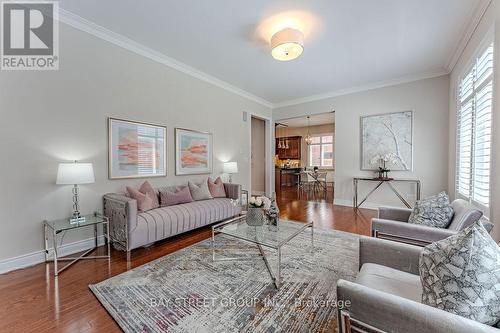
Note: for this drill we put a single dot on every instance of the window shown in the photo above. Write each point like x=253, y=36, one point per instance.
x=321, y=151
x=475, y=98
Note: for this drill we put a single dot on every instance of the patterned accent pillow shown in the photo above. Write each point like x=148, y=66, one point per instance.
x=434, y=211
x=461, y=275
x=216, y=188
x=200, y=192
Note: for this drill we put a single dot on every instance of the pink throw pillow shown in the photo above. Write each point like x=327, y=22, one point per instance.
x=217, y=188
x=168, y=198
x=147, y=189
x=144, y=201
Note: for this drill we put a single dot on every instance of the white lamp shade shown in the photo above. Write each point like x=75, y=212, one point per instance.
x=75, y=173
x=230, y=167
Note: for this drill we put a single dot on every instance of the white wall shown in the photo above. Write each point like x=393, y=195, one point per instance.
x=54, y=116
x=429, y=101
x=490, y=23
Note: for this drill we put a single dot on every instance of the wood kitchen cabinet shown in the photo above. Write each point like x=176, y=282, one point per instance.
x=294, y=148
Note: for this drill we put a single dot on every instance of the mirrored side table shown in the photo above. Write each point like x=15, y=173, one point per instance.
x=63, y=225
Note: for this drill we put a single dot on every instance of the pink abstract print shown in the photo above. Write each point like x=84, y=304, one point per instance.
x=138, y=150
x=194, y=152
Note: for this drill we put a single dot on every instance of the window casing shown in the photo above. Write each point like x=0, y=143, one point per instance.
x=474, y=123
x=320, y=151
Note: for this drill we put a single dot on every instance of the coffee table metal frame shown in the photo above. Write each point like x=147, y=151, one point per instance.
x=276, y=277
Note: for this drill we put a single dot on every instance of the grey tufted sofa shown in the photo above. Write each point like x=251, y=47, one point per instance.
x=130, y=229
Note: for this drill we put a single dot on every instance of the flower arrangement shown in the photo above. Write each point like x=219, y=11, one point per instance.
x=260, y=202
x=382, y=161
x=262, y=209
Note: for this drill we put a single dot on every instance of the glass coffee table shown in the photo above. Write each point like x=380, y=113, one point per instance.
x=261, y=236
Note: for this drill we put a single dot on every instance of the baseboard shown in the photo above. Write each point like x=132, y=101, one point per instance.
x=348, y=203
x=30, y=259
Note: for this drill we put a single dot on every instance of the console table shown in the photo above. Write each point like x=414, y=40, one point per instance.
x=379, y=182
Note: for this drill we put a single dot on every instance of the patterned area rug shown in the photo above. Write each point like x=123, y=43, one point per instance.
x=187, y=292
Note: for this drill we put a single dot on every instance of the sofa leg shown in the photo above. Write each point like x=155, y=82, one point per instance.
x=128, y=255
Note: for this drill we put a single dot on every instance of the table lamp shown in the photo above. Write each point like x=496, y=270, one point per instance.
x=230, y=168
x=75, y=174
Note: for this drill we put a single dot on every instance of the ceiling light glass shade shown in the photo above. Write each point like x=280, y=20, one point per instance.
x=308, y=139
x=287, y=44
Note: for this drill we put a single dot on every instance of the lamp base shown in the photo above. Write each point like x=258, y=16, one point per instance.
x=76, y=217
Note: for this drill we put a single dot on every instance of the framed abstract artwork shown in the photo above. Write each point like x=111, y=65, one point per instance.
x=387, y=136
x=136, y=149
x=193, y=152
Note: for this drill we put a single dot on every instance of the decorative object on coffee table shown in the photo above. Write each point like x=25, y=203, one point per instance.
x=136, y=149
x=193, y=152
x=256, y=214
x=389, y=133
x=75, y=174
x=273, y=214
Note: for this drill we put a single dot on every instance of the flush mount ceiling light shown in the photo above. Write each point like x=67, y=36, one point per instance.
x=287, y=44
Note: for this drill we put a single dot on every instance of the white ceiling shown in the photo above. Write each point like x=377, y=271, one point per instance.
x=317, y=119
x=348, y=43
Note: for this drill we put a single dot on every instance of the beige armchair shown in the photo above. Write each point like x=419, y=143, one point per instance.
x=392, y=224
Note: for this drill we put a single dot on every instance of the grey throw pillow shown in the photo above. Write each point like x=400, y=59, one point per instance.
x=461, y=275
x=200, y=192
x=434, y=211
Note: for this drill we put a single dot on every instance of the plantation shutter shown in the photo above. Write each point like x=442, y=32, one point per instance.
x=475, y=99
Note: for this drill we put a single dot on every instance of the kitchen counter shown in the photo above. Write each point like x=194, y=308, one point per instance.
x=287, y=177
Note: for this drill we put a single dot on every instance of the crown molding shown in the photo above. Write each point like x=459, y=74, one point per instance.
x=370, y=86
x=477, y=16
x=96, y=30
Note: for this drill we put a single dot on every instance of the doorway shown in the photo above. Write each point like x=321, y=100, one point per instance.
x=305, y=159
x=258, y=157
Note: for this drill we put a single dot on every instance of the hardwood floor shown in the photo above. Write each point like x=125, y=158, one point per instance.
x=320, y=209
x=32, y=299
